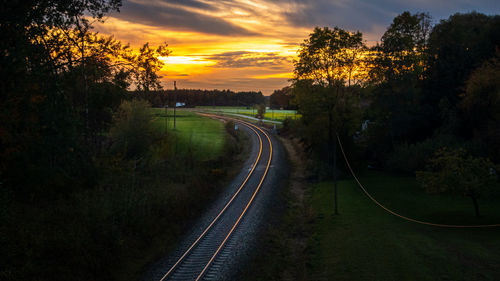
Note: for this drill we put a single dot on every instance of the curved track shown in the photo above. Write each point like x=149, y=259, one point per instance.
x=207, y=251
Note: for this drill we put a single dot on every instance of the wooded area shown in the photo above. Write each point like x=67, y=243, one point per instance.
x=89, y=181
x=422, y=88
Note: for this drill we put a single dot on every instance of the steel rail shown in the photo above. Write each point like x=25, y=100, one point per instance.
x=207, y=229
x=246, y=207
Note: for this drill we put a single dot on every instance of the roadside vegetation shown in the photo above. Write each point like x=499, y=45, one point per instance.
x=145, y=197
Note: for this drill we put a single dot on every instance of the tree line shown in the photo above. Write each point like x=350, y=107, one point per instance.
x=282, y=99
x=192, y=98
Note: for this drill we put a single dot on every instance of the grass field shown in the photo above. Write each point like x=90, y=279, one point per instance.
x=276, y=115
x=206, y=136
x=366, y=243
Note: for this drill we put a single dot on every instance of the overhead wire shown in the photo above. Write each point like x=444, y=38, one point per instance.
x=397, y=214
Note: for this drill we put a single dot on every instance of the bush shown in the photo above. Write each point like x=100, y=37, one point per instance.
x=132, y=132
x=455, y=171
x=408, y=158
x=261, y=111
x=230, y=129
x=412, y=157
x=293, y=127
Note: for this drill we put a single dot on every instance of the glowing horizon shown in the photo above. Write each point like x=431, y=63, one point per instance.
x=242, y=45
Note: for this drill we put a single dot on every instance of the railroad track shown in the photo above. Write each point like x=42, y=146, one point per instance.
x=204, y=257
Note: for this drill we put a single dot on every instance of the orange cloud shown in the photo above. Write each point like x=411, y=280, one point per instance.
x=249, y=45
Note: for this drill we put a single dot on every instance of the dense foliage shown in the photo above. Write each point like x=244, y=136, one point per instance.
x=322, y=90
x=455, y=171
x=421, y=88
x=87, y=182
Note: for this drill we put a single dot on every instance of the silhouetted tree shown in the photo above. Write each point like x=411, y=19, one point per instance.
x=326, y=55
x=397, y=71
x=146, y=67
x=457, y=46
x=402, y=51
x=41, y=145
x=319, y=87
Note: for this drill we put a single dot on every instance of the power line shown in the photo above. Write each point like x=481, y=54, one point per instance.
x=401, y=216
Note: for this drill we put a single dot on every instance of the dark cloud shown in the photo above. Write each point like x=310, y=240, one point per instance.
x=230, y=54
x=354, y=15
x=193, y=4
x=365, y=14
x=249, y=59
x=166, y=16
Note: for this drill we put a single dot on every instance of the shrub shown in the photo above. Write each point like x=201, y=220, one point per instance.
x=132, y=132
x=455, y=171
x=411, y=157
x=261, y=111
x=230, y=129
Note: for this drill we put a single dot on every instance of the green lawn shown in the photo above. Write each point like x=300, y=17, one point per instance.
x=366, y=243
x=204, y=135
x=277, y=115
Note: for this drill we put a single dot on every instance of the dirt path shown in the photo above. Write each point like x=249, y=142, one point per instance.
x=298, y=239
x=298, y=161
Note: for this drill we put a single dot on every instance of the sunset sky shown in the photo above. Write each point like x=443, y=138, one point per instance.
x=250, y=44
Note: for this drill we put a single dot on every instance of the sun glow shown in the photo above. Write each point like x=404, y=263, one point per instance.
x=287, y=75
x=186, y=60
x=261, y=60
x=181, y=67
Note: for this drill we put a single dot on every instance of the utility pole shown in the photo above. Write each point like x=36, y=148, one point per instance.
x=332, y=140
x=175, y=100
x=165, y=107
x=335, y=175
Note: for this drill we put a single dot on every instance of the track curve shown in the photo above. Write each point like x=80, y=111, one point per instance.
x=206, y=252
